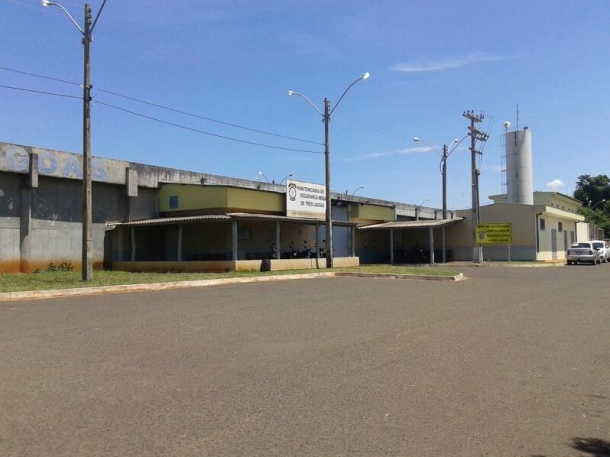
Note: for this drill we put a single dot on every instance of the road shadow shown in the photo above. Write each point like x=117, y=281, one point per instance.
x=593, y=446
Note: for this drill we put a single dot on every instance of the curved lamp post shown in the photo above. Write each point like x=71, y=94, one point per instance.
x=593, y=207
x=357, y=189
x=447, y=150
x=260, y=173
x=326, y=119
x=86, y=32
x=418, y=206
x=286, y=177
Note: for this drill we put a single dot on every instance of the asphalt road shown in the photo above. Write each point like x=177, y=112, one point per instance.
x=511, y=362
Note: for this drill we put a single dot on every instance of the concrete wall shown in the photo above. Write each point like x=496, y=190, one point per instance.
x=50, y=223
x=10, y=216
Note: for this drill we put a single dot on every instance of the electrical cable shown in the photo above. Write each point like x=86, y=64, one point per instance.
x=41, y=92
x=253, y=143
x=164, y=107
x=203, y=131
x=208, y=119
x=40, y=76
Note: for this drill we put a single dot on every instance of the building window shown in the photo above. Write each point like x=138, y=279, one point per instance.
x=173, y=202
x=542, y=224
x=560, y=226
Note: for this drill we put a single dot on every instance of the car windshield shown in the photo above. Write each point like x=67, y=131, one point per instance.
x=581, y=245
x=598, y=245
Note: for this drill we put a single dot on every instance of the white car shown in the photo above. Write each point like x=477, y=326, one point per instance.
x=602, y=247
x=583, y=251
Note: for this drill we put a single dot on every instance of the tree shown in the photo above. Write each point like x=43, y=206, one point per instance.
x=594, y=193
x=591, y=190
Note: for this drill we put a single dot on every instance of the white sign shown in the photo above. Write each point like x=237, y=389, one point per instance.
x=304, y=199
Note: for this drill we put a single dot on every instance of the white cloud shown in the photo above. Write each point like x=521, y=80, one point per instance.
x=446, y=64
x=555, y=185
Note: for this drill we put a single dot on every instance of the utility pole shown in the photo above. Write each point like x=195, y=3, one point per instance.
x=329, y=213
x=87, y=248
x=326, y=120
x=444, y=173
x=87, y=223
x=475, y=134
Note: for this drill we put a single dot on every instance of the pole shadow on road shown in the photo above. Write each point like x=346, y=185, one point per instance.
x=593, y=446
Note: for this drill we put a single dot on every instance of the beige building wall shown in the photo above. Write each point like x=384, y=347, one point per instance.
x=541, y=232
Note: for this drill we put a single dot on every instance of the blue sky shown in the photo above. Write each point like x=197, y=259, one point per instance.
x=233, y=61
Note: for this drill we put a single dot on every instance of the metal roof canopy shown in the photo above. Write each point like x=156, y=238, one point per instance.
x=227, y=217
x=411, y=224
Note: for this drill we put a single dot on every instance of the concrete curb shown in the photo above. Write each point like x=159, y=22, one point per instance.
x=40, y=294
x=459, y=277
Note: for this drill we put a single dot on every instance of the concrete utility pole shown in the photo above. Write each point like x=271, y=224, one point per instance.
x=87, y=223
x=87, y=250
x=326, y=119
x=444, y=173
x=477, y=251
x=329, y=212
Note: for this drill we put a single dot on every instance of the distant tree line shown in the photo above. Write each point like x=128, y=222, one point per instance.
x=594, y=193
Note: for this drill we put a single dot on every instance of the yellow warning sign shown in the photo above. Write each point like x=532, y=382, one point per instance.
x=495, y=233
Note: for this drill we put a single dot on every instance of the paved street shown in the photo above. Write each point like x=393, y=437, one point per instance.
x=511, y=362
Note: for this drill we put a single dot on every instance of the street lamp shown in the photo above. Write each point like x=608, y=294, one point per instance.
x=86, y=31
x=447, y=150
x=359, y=188
x=593, y=207
x=326, y=119
x=418, y=206
x=286, y=177
x=263, y=175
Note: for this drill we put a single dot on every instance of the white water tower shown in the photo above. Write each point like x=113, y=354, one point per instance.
x=519, y=181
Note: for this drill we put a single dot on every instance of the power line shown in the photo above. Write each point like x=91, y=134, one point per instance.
x=208, y=119
x=40, y=92
x=40, y=76
x=173, y=124
x=203, y=131
x=165, y=107
x=374, y=126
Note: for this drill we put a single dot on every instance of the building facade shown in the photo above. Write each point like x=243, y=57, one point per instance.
x=154, y=218
x=147, y=217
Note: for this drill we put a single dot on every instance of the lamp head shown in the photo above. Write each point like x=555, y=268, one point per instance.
x=456, y=140
x=366, y=75
x=415, y=139
x=45, y=3
x=290, y=92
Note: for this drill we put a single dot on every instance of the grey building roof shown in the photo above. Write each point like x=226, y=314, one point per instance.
x=410, y=224
x=226, y=217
